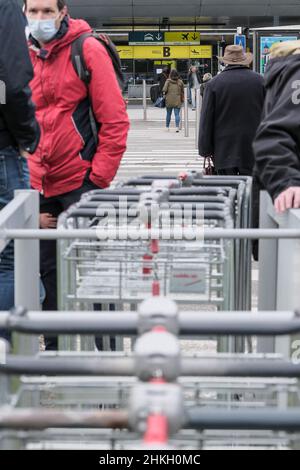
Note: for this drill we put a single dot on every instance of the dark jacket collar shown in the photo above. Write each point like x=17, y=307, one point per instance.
x=235, y=67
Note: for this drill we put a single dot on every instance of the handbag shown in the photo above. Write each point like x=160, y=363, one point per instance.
x=160, y=102
x=208, y=167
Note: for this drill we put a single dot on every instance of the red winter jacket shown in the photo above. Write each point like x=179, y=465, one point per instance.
x=66, y=148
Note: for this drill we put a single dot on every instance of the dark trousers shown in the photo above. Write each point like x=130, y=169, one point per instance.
x=48, y=269
x=234, y=171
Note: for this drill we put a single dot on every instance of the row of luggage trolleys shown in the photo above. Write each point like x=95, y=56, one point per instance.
x=118, y=273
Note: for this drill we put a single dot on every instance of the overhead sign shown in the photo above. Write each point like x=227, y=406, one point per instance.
x=265, y=48
x=165, y=52
x=165, y=38
x=201, y=52
x=125, y=52
x=188, y=38
x=240, y=40
x=161, y=52
x=150, y=37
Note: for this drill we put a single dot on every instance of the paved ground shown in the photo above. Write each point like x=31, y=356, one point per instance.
x=151, y=149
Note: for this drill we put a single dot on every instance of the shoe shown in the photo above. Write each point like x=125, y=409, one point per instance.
x=177, y=129
x=193, y=109
x=167, y=129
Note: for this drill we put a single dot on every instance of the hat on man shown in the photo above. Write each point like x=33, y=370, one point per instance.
x=235, y=55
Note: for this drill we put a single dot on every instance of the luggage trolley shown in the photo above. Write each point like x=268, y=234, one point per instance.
x=124, y=272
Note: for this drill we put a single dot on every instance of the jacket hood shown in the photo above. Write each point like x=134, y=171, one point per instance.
x=284, y=56
x=173, y=81
x=69, y=31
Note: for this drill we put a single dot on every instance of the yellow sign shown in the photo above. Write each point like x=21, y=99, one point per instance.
x=161, y=52
x=166, y=53
x=201, y=52
x=182, y=38
x=126, y=52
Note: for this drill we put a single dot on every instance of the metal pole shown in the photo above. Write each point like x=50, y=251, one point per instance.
x=198, y=112
x=35, y=419
x=181, y=118
x=145, y=99
x=60, y=366
x=268, y=262
x=211, y=234
x=128, y=323
x=126, y=367
x=254, y=51
x=27, y=269
x=264, y=419
x=186, y=113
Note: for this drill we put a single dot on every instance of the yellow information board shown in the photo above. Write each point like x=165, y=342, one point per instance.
x=125, y=52
x=165, y=52
x=182, y=38
x=201, y=52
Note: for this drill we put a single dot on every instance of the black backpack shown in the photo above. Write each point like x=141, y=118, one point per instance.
x=84, y=74
x=79, y=62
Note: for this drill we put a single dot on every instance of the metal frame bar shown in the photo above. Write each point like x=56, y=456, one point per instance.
x=214, y=234
x=42, y=419
x=288, y=420
x=125, y=323
x=126, y=366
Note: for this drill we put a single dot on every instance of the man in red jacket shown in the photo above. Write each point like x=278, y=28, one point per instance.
x=67, y=162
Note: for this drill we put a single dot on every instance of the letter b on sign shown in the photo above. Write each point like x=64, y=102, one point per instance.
x=167, y=52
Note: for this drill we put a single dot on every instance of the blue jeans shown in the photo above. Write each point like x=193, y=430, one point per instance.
x=169, y=115
x=14, y=174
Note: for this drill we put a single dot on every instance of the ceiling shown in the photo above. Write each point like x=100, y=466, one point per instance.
x=119, y=14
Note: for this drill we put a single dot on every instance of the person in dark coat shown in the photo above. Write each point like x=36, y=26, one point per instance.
x=231, y=113
x=19, y=130
x=163, y=77
x=277, y=144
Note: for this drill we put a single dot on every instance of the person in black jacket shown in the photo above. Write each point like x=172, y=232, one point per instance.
x=231, y=113
x=19, y=131
x=163, y=77
x=277, y=144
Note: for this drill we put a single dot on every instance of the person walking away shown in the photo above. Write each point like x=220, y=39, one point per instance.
x=174, y=92
x=231, y=113
x=194, y=82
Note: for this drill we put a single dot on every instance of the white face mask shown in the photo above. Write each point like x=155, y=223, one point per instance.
x=43, y=30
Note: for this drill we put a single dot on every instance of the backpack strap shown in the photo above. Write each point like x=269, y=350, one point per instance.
x=78, y=60
x=84, y=74
x=113, y=54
